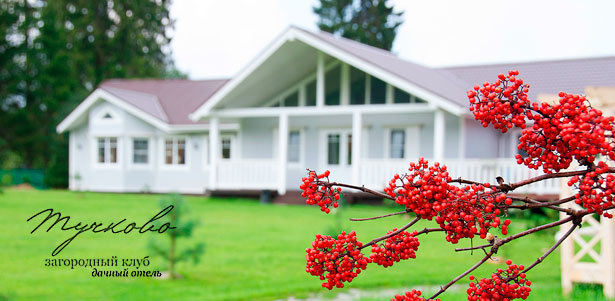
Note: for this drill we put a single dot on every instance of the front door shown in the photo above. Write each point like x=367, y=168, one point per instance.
x=336, y=154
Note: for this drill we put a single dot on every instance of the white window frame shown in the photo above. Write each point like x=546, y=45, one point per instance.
x=119, y=155
x=408, y=129
x=234, y=146
x=174, y=165
x=276, y=151
x=324, y=134
x=150, y=152
x=299, y=86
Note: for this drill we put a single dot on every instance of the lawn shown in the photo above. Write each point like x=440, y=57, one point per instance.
x=253, y=252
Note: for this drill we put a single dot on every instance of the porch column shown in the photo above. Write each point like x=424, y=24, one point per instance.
x=283, y=152
x=357, y=131
x=438, y=133
x=214, y=151
x=320, y=80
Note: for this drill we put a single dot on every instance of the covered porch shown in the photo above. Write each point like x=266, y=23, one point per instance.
x=355, y=142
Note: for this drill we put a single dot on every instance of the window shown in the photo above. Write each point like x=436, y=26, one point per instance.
x=140, y=151
x=175, y=151
x=181, y=151
x=401, y=96
x=339, y=148
x=333, y=149
x=332, y=86
x=107, y=150
x=357, y=86
x=398, y=143
x=294, y=146
x=378, y=91
x=226, y=147
x=349, y=149
x=310, y=94
x=292, y=100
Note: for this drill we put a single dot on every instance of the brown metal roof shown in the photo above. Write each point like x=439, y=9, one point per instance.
x=170, y=100
x=173, y=100
x=547, y=77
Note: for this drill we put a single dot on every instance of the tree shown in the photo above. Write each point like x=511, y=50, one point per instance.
x=554, y=136
x=372, y=22
x=183, y=229
x=55, y=52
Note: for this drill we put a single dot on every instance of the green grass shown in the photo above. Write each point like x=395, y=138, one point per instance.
x=254, y=252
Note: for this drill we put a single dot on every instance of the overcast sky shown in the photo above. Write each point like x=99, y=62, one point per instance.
x=215, y=38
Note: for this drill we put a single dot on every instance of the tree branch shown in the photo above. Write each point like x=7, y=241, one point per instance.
x=513, y=186
x=541, y=258
x=475, y=248
x=377, y=217
x=375, y=240
x=361, y=188
x=483, y=260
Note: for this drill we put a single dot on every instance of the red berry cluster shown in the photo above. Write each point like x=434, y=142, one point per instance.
x=399, y=247
x=424, y=190
x=414, y=295
x=473, y=209
x=560, y=133
x=320, y=192
x=336, y=260
x=506, y=284
x=596, y=190
x=502, y=103
x=461, y=211
x=563, y=132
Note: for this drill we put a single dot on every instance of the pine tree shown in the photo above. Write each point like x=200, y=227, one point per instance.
x=372, y=22
x=55, y=52
x=183, y=229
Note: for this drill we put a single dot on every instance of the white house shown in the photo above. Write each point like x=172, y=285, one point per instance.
x=309, y=100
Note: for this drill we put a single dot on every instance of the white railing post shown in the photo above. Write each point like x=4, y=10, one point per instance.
x=320, y=79
x=283, y=152
x=356, y=146
x=214, y=150
x=438, y=139
x=608, y=256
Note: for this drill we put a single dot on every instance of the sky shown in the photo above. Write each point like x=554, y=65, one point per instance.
x=216, y=38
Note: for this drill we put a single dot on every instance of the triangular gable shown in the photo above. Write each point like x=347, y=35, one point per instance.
x=379, y=69
x=82, y=109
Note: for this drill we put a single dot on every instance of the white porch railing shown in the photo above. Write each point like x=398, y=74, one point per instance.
x=247, y=174
x=376, y=173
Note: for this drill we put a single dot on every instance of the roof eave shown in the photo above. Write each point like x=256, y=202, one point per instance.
x=70, y=120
